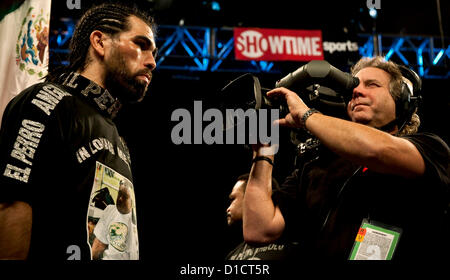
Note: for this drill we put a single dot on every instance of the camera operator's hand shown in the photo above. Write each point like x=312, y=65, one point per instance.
x=297, y=108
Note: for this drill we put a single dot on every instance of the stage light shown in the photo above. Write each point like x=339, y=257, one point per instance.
x=373, y=12
x=215, y=6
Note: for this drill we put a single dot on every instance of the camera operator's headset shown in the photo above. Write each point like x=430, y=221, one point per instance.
x=405, y=107
x=410, y=97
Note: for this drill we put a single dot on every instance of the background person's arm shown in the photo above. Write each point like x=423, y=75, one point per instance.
x=262, y=220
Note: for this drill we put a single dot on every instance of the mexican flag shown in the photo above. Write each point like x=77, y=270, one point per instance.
x=24, y=32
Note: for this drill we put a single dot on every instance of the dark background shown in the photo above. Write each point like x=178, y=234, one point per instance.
x=182, y=190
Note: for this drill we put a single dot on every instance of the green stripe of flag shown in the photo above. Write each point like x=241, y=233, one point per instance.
x=9, y=6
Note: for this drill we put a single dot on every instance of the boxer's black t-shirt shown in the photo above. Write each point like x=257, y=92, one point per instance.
x=61, y=153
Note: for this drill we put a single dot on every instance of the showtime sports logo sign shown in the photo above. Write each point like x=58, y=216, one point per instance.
x=277, y=44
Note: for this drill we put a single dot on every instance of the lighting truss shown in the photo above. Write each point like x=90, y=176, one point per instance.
x=199, y=48
x=196, y=48
x=418, y=52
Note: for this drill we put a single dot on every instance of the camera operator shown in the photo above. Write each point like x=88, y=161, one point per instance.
x=366, y=169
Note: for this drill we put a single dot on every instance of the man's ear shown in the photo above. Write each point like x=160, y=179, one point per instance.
x=98, y=42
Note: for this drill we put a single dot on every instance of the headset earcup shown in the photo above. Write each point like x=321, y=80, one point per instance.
x=402, y=104
x=408, y=101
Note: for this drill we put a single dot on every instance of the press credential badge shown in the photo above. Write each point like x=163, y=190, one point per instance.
x=375, y=241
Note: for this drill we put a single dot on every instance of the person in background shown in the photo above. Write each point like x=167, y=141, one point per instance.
x=275, y=251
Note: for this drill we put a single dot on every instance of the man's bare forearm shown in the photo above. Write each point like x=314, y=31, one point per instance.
x=15, y=230
x=367, y=146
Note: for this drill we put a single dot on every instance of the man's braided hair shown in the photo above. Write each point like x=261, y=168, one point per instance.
x=110, y=18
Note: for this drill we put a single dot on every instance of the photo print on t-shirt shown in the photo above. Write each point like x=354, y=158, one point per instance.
x=111, y=219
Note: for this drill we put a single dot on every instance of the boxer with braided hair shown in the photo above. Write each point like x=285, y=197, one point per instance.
x=59, y=135
x=110, y=19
